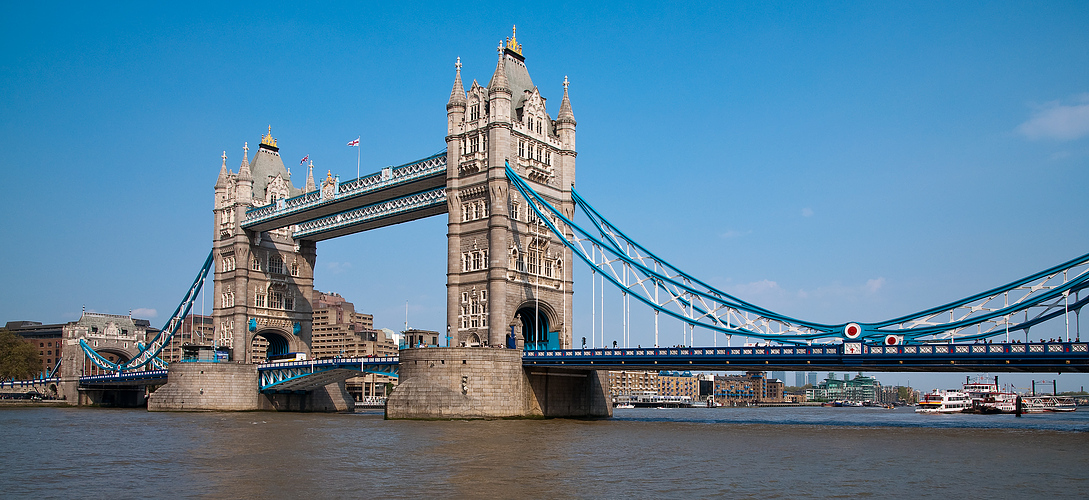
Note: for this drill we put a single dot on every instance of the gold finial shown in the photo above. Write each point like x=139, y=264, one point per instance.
x=329, y=176
x=512, y=42
x=268, y=140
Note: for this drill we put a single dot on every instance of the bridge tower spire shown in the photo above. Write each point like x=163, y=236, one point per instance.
x=505, y=272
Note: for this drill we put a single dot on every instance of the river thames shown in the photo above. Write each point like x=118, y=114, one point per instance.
x=640, y=453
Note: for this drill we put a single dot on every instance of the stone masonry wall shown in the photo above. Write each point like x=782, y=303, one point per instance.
x=207, y=387
x=459, y=382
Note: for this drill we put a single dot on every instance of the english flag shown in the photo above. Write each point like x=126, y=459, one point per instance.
x=303, y=161
x=354, y=143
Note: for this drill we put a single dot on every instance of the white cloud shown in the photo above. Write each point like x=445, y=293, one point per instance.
x=807, y=212
x=144, y=313
x=338, y=267
x=1057, y=121
x=872, y=286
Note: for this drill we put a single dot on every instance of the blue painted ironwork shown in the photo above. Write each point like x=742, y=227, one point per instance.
x=151, y=351
x=415, y=202
x=1005, y=357
x=434, y=165
x=1012, y=307
x=301, y=376
x=143, y=377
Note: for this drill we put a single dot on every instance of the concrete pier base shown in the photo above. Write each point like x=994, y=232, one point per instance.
x=473, y=382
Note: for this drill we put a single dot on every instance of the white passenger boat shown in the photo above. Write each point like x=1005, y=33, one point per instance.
x=988, y=398
x=949, y=401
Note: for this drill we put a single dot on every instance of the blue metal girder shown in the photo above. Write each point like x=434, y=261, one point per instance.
x=144, y=377
x=1016, y=306
x=381, y=214
x=393, y=182
x=1011, y=357
x=149, y=353
x=299, y=376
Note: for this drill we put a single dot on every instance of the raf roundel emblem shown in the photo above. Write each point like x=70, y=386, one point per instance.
x=852, y=330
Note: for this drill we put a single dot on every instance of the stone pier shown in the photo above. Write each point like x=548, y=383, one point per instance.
x=473, y=382
x=234, y=387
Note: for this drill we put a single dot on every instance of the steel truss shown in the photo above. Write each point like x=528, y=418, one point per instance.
x=149, y=353
x=668, y=290
x=387, y=177
x=418, y=201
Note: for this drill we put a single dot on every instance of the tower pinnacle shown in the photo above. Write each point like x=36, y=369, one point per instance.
x=457, y=94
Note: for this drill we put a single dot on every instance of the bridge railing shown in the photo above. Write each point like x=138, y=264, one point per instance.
x=1045, y=348
x=389, y=176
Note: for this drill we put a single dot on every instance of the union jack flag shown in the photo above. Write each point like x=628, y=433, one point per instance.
x=303, y=161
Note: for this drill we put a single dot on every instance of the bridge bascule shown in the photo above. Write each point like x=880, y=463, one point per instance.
x=515, y=228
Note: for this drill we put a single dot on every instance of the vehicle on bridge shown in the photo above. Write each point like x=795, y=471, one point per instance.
x=288, y=357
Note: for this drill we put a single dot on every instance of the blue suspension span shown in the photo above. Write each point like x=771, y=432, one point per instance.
x=1039, y=297
x=149, y=353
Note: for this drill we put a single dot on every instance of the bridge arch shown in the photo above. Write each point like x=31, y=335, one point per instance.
x=273, y=341
x=537, y=320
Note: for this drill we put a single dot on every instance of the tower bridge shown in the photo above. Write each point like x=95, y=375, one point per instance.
x=505, y=183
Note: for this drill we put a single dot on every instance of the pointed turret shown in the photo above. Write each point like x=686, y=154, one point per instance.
x=224, y=174
x=244, y=169
x=310, y=186
x=499, y=81
x=565, y=115
x=457, y=94
x=244, y=187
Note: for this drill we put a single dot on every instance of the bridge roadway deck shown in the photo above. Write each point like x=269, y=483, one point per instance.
x=302, y=376
x=1013, y=357
x=144, y=377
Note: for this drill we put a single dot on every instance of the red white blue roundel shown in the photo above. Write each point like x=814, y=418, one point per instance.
x=852, y=331
x=892, y=339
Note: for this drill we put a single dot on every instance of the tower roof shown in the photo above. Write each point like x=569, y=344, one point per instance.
x=565, y=114
x=499, y=78
x=457, y=94
x=266, y=165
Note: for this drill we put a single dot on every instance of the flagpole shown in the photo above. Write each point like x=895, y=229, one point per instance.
x=357, y=148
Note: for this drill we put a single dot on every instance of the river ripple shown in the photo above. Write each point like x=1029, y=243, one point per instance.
x=641, y=453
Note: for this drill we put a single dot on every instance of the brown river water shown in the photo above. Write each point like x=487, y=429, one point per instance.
x=640, y=453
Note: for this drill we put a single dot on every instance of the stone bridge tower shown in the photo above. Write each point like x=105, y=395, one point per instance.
x=263, y=281
x=506, y=270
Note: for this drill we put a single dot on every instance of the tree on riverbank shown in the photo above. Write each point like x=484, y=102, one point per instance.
x=18, y=359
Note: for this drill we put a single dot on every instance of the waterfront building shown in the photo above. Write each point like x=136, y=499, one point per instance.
x=45, y=338
x=752, y=387
x=861, y=389
x=113, y=336
x=339, y=331
x=676, y=383
x=623, y=383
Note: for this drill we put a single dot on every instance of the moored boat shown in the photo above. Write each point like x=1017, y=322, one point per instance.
x=948, y=401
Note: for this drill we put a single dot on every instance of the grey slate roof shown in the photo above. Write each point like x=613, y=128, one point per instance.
x=266, y=164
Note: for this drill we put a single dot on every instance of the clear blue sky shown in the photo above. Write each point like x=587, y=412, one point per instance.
x=831, y=161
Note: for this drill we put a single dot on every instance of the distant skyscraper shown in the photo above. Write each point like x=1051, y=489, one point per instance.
x=811, y=378
x=799, y=379
x=779, y=375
